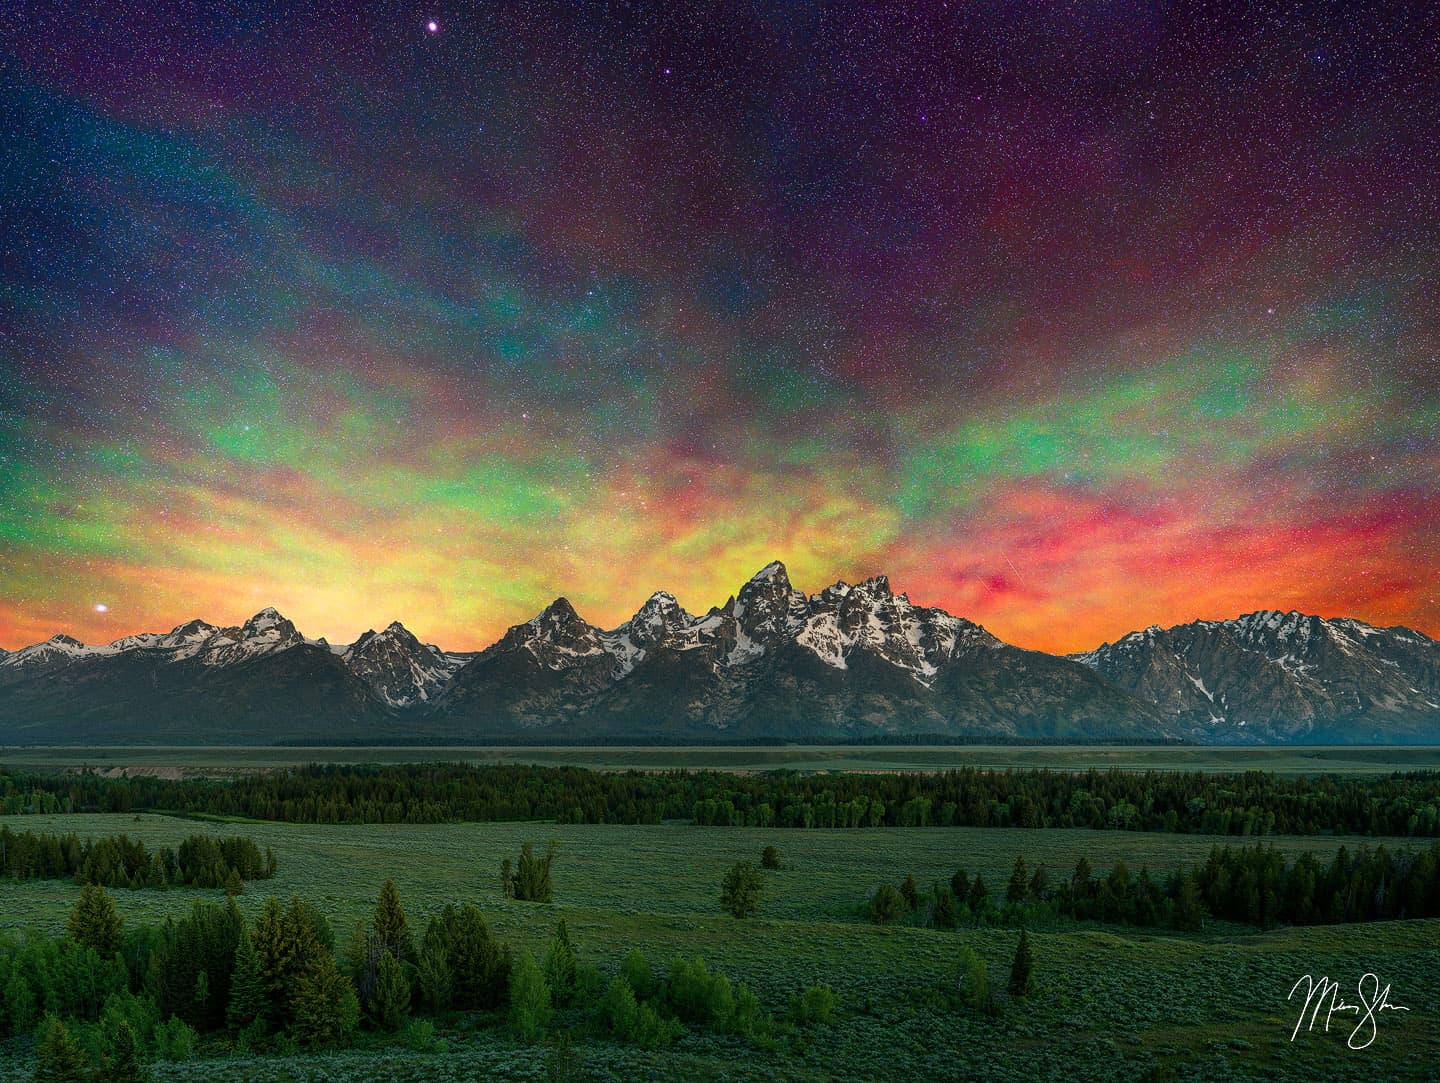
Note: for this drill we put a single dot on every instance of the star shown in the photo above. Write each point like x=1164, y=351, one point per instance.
x=101, y=607
x=432, y=27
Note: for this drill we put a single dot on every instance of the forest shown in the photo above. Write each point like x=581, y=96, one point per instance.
x=105, y=999
x=119, y=861
x=1241, y=804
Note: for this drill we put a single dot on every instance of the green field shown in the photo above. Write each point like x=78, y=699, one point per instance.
x=223, y=760
x=1115, y=1003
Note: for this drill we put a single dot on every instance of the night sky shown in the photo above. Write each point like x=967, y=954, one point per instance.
x=1069, y=322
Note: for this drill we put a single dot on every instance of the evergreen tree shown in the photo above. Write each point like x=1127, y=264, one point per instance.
x=960, y=885
x=233, y=884
x=910, y=891
x=95, y=923
x=1189, y=907
x=740, y=890
x=432, y=970
x=977, y=894
x=886, y=904
x=391, y=1006
x=479, y=966
x=769, y=858
x=560, y=967
x=390, y=925
x=530, y=1009
x=325, y=1009
x=1019, y=884
x=58, y=1057
x=943, y=913
x=1022, y=977
x=121, y=1061
x=247, y=986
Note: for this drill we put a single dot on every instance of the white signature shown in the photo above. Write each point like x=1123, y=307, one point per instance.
x=1322, y=994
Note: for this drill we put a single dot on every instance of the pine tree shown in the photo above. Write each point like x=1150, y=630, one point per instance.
x=391, y=1005
x=233, y=884
x=121, y=1061
x=530, y=1009
x=1022, y=977
x=976, y=894
x=58, y=1057
x=910, y=891
x=247, y=986
x=1019, y=882
x=943, y=913
x=95, y=923
x=325, y=1009
x=769, y=858
x=432, y=970
x=390, y=925
x=560, y=966
x=1189, y=908
x=479, y=966
x=960, y=885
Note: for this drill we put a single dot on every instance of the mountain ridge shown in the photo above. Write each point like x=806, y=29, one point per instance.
x=854, y=661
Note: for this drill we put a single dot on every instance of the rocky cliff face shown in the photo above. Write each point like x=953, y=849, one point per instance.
x=1271, y=676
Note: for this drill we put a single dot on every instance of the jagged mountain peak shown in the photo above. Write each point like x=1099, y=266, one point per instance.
x=60, y=639
x=775, y=570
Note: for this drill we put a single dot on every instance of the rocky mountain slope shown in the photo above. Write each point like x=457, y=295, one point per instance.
x=852, y=661
x=1282, y=677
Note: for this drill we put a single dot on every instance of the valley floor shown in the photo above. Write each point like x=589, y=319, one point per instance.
x=222, y=760
x=1113, y=1003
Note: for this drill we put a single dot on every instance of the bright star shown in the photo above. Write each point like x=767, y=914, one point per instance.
x=101, y=607
x=433, y=27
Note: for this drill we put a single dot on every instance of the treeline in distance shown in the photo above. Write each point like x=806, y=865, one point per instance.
x=1250, y=803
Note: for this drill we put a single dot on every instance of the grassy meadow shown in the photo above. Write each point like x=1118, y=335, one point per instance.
x=1114, y=1003
x=221, y=761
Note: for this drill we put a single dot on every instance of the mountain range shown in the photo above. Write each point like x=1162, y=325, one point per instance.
x=853, y=661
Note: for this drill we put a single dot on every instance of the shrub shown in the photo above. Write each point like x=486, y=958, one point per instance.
x=175, y=1040
x=815, y=1005
x=974, y=981
x=697, y=996
x=769, y=858
x=635, y=1021
x=740, y=890
x=635, y=969
x=419, y=1035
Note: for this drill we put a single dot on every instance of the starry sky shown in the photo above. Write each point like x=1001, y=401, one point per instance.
x=1070, y=320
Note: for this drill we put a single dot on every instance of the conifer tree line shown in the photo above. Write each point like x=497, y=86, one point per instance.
x=278, y=983
x=1242, y=804
x=120, y=861
x=1255, y=885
